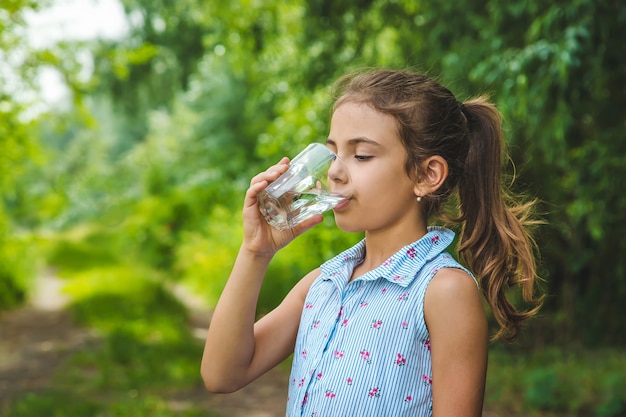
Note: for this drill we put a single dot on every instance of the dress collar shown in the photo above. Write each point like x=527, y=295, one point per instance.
x=402, y=267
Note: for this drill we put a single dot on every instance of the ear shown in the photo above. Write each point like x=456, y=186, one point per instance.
x=434, y=173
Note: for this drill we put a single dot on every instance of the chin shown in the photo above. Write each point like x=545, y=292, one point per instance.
x=347, y=227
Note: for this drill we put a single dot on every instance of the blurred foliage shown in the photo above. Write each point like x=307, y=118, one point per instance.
x=136, y=182
x=557, y=383
x=16, y=149
x=159, y=143
x=57, y=402
x=141, y=353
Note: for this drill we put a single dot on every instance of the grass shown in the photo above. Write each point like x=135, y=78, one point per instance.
x=61, y=403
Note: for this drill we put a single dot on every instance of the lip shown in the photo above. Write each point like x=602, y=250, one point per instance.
x=342, y=205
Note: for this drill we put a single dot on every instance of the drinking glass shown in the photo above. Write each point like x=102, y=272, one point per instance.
x=303, y=190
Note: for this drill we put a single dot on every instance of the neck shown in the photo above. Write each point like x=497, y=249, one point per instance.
x=380, y=246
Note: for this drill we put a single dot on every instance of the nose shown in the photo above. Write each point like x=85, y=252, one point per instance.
x=338, y=171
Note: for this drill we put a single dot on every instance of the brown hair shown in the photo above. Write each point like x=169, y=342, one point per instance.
x=494, y=242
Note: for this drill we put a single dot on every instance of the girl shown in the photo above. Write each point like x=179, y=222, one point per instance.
x=393, y=326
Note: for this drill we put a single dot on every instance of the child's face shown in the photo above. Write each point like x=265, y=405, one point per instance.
x=383, y=194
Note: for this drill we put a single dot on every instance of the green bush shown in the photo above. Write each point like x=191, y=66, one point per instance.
x=568, y=383
x=53, y=403
x=205, y=257
x=17, y=267
x=12, y=286
x=130, y=298
x=82, y=248
x=613, y=395
x=543, y=391
x=62, y=403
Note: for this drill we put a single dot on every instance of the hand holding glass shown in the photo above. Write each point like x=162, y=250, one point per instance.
x=303, y=190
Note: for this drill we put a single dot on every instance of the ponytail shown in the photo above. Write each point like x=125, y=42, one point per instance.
x=495, y=243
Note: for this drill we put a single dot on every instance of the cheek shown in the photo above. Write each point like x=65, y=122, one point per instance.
x=386, y=182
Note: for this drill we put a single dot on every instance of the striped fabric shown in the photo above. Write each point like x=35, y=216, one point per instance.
x=362, y=348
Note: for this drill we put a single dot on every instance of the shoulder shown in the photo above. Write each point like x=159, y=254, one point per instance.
x=300, y=290
x=450, y=281
x=453, y=299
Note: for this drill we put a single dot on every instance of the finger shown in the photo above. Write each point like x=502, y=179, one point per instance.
x=272, y=172
x=261, y=181
x=256, y=188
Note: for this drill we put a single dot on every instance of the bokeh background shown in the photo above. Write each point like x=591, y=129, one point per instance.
x=129, y=130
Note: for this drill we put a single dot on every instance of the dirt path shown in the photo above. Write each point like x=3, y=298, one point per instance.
x=36, y=339
x=265, y=397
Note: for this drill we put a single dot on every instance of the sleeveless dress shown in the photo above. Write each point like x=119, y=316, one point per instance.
x=362, y=347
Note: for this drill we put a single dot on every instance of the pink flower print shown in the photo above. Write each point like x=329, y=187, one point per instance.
x=408, y=398
x=427, y=344
x=349, y=381
x=330, y=394
x=384, y=290
x=363, y=304
x=304, y=354
x=344, y=323
x=318, y=376
x=308, y=306
x=427, y=380
x=315, y=324
x=305, y=399
x=338, y=354
x=434, y=239
x=374, y=392
x=376, y=324
x=403, y=297
x=388, y=262
x=411, y=252
x=301, y=382
x=365, y=355
x=400, y=360
x=405, y=325
x=398, y=278
x=340, y=312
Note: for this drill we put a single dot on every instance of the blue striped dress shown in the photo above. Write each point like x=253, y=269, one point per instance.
x=363, y=348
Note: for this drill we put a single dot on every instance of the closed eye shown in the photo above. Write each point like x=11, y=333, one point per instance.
x=362, y=157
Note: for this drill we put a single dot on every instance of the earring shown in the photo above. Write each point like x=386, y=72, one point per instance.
x=419, y=198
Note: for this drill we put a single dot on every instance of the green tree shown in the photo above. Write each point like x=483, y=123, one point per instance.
x=555, y=71
x=206, y=92
x=16, y=148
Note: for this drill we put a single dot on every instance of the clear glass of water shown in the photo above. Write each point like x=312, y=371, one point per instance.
x=303, y=190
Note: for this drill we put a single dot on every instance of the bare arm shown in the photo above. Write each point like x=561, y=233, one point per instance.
x=238, y=350
x=458, y=337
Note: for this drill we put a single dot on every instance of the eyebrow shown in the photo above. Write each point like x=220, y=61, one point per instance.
x=355, y=141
